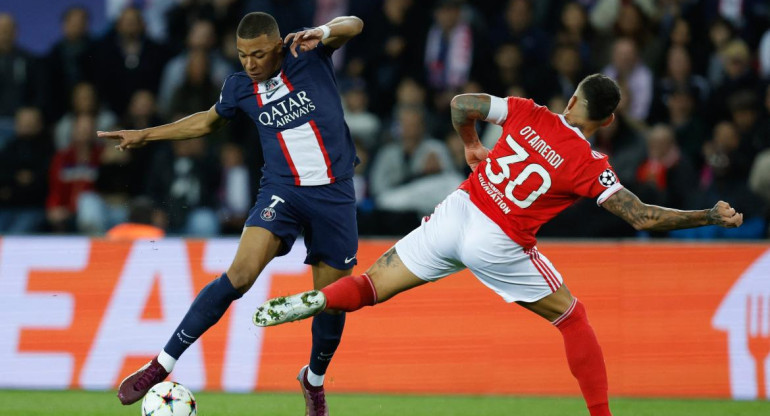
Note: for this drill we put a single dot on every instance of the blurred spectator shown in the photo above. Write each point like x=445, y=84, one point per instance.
x=606, y=13
x=690, y=129
x=24, y=175
x=364, y=126
x=83, y=101
x=19, y=79
x=389, y=48
x=738, y=75
x=634, y=24
x=126, y=60
x=720, y=33
x=72, y=174
x=565, y=75
x=141, y=223
x=725, y=178
x=575, y=30
x=517, y=27
x=457, y=149
x=666, y=177
x=448, y=48
x=744, y=113
x=234, y=189
x=412, y=157
x=70, y=57
x=624, y=145
x=630, y=72
x=725, y=163
x=679, y=76
x=152, y=12
x=764, y=56
x=182, y=15
x=201, y=40
x=184, y=184
x=509, y=69
x=196, y=92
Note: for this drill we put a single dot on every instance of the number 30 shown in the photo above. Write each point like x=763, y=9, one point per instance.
x=505, y=173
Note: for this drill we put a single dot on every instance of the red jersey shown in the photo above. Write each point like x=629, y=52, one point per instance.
x=539, y=166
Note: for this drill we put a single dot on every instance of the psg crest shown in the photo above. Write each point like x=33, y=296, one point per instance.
x=607, y=178
x=268, y=214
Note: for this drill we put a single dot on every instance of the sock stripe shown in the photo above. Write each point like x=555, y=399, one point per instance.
x=566, y=313
x=371, y=284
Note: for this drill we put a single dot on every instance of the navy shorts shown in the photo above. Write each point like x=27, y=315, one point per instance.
x=325, y=215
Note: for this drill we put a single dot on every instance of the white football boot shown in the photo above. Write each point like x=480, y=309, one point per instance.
x=291, y=308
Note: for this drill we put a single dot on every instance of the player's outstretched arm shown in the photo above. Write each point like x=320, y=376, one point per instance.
x=194, y=125
x=466, y=109
x=333, y=34
x=642, y=216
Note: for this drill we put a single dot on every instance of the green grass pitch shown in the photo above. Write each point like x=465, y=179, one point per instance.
x=82, y=403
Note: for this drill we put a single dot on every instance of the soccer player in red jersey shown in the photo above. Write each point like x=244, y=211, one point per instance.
x=541, y=164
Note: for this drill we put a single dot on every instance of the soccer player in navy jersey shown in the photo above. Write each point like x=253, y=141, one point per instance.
x=289, y=90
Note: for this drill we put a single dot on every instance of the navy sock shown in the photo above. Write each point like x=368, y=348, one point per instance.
x=327, y=332
x=210, y=304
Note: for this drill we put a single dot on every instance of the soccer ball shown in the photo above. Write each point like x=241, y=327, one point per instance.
x=169, y=399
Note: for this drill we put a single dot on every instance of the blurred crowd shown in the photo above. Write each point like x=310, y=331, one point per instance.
x=693, y=126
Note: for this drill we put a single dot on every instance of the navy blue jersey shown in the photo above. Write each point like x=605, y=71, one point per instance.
x=298, y=112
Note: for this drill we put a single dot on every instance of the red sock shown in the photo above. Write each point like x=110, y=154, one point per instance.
x=585, y=358
x=350, y=293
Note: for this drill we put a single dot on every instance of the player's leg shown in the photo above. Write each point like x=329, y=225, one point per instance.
x=256, y=248
x=270, y=231
x=584, y=355
x=427, y=254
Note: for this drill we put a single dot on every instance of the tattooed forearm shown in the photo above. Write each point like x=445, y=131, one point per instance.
x=466, y=109
x=641, y=216
x=389, y=259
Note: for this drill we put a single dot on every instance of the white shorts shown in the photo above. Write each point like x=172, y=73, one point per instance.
x=459, y=235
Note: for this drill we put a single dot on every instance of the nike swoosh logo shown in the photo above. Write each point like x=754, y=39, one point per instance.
x=348, y=260
x=270, y=95
x=188, y=336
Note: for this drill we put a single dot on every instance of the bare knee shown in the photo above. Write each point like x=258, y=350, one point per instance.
x=242, y=276
x=552, y=306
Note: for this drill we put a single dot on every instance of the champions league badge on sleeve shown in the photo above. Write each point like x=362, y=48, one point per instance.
x=608, y=178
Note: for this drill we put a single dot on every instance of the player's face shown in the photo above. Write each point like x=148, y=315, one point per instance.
x=259, y=56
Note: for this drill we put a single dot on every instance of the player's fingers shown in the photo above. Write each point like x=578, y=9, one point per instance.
x=108, y=134
x=293, y=47
x=288, y=37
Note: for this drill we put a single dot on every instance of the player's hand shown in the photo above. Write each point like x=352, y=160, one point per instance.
x=129, y=139
x=306, y=40
x=475, y=154
x=725, y=216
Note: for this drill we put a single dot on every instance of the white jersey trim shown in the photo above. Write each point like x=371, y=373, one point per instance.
x=608, y=193
x=573, y=128
x=498, y=110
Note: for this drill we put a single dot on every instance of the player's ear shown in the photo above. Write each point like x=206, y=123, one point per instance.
x=571, y=103
x=608, y=120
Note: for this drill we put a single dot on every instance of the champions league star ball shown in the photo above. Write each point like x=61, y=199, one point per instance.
x=169, y=399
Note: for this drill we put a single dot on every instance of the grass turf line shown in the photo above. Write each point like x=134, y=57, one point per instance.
x=89, y=403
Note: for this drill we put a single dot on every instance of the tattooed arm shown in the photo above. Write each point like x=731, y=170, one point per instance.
x=642, y=216
x=466, y=109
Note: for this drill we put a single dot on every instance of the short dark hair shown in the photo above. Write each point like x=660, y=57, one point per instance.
x=256, y=24
x=602, y=94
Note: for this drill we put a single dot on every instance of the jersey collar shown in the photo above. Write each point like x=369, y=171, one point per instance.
x=575, y=129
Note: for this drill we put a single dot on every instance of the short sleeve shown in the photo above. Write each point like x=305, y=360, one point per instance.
x=598, y=179
x=498, y=110
x=518, y=106
x=227, y=106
